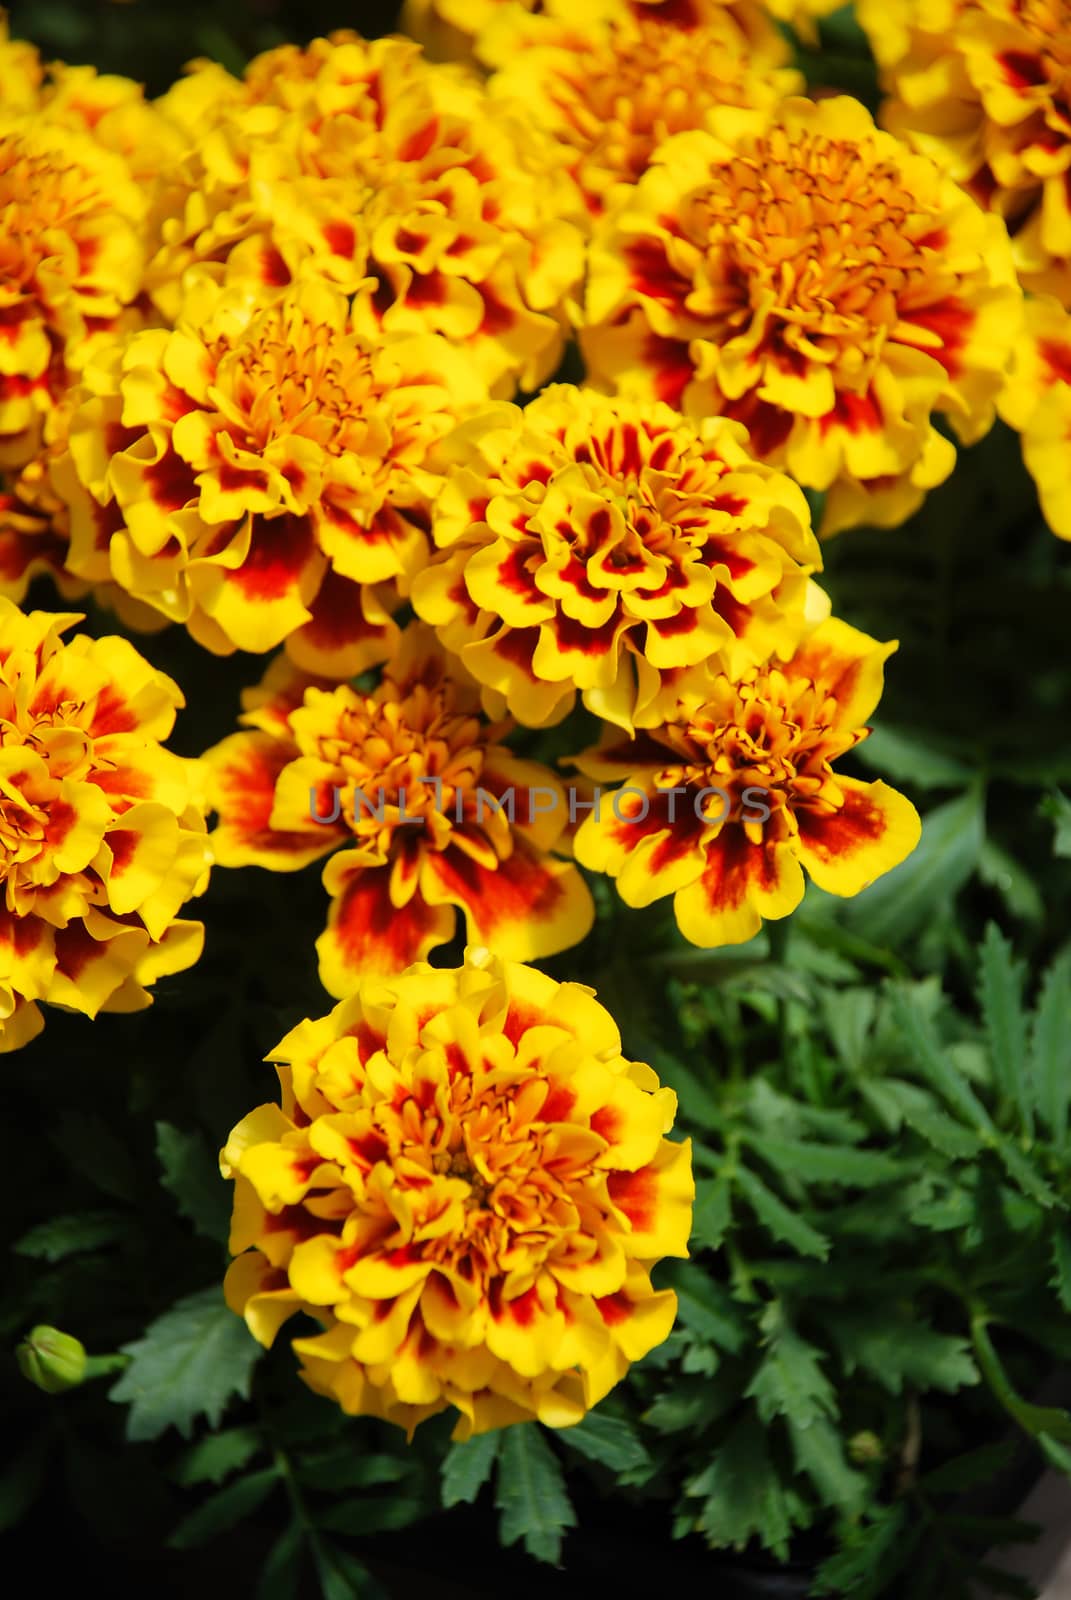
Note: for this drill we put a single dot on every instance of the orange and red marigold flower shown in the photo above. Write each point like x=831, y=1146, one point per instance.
x=811, y=276
x=727, y=801
x=102, y=829
x=433, y=812
x=467, y=1184
x=1037, y=401
x=263, y=470
x=594, y=544
x=985, y=87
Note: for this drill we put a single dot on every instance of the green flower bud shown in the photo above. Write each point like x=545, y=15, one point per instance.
x=865, y=1447
x=52, y=1360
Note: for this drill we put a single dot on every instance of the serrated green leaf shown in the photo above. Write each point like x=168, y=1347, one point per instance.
x=871, y=1555
x=190, y=1173
x=190, y=1363
x=346, y=1468
x=899, y=904
x=705, y=1307
x=919, y=1111
x=608, y=1440
x=692, y=1404
x=217, y=1455
x=819, y=1452
x=530, y=1494
x=1050, y=1066
x=1061, y=1257
x=712, y=1213
x=1012, y=882
x=782, y=1223
x=1000, y=994
x=467, y=1466
x=73, y=1235
x=1018, y=1167
x=828, y=1163
x=899, y=1352
x=743, y=1495
x=365, y=1514
x=789, y=1381
x=238, y=1500
x=281, y=1573
x=849, y=1015
x=342, y=1576
x=930, y=1059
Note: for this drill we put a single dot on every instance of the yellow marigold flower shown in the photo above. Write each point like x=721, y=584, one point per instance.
x=265, y=465
x=594, y=544
x=71, y=260
x=822, y=283
x=983, y=86
x=726, y=802
x=355, y=160
x=611, y=91
x=467, y=1184
x=1037, y=401
x=434, y=811
x=103, y=830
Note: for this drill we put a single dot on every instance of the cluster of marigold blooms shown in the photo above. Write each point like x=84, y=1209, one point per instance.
x=262, y=342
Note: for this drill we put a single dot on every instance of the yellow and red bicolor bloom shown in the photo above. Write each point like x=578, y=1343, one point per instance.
x=984, y=86
x=354, y=160
x=422, y=809
x=610, y=88
x=593, y=543
x=816, y=279
x=1037, y=402
x=729, y=800
x=102, y=829
x=264, y=471
x=467, y=1184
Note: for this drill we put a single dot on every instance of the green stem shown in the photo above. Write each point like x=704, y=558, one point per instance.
x=1032, y=1419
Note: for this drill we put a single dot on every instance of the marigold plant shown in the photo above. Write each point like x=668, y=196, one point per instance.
x=467, y=1183
x=814, y=278
x=594, y=544
x=1037, y=401
x=258, y=470
x=354, y=160
x=103, y=830
x=728, y=800
x=983, y=86
x=434, y=811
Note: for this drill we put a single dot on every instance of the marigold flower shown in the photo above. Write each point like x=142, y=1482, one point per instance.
x=265, y=465
x=468, y=1185
x=983, y=86
x=434, y=810
x=726, y=802
x=594, y=544
x=1037, y=401
x=814, y=278
x=611, y=90
x=351, y=161
x=103, y=830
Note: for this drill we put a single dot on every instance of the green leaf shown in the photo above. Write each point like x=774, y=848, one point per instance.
x=281, y=1573
x=467, y=1467
x=346, y=1468
x=1049, y=1065
x=898, y=1352
x=712, y=1213
x=530, y=1493
x=1028, y=1180
x=900, y=904
x=366, y=1514
x=692, y=1404
x=238, y=1500
x=190, y=1173
x=819, y=1452
x=782, y=1223
x=1000, y=994
x=872, y=1555
x=907, y=759
x=918, y=1110
x=1011, y=881
x=930, y=1060
x=827, y=1163
x=705, y=1307
x=217, y=1455
x=1057, y=807
x=789, y=1381
x=342, y=1576
x=1061, y=1254
x=73, y=1234
x=1033, y=1419
x=189, y=1363
x=607, y=1440
x=743, y=1493
x=849, y=1015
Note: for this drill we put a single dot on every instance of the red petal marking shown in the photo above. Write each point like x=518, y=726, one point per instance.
x=558, y=1104
x=232, y=477
x=951, y=321
x=369, y=1040
x=369, y=1147
x=607, y=1123
x=20, y=551
x=1056, y=355
x=842, y=832
x=573, y=635
x=122, y=842
x=279, y=549
x=498, y=317
x=296, y=1220
x=170, y=481
x=652, y=274
x=523, y=1309
x=75, y=950
x=514, y=575
x=614, y=1308
x=519, y=889
x=273, y=269
x=1022, y=70
x=768, y=426
x=373, y=933
x=61, y=819
x=636, y=1194
x=428, y=290
x=858, y=413
x=337, y=614
x=671, y=627
x=733, y=865
x=340, y=238
x=112, y=714
x=518, y=1020
x=674, y=13
x=419, y=143
x=517, y=645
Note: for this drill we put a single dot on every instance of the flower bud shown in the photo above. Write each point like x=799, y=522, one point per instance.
x=52, y=1360
x=865, y=1447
